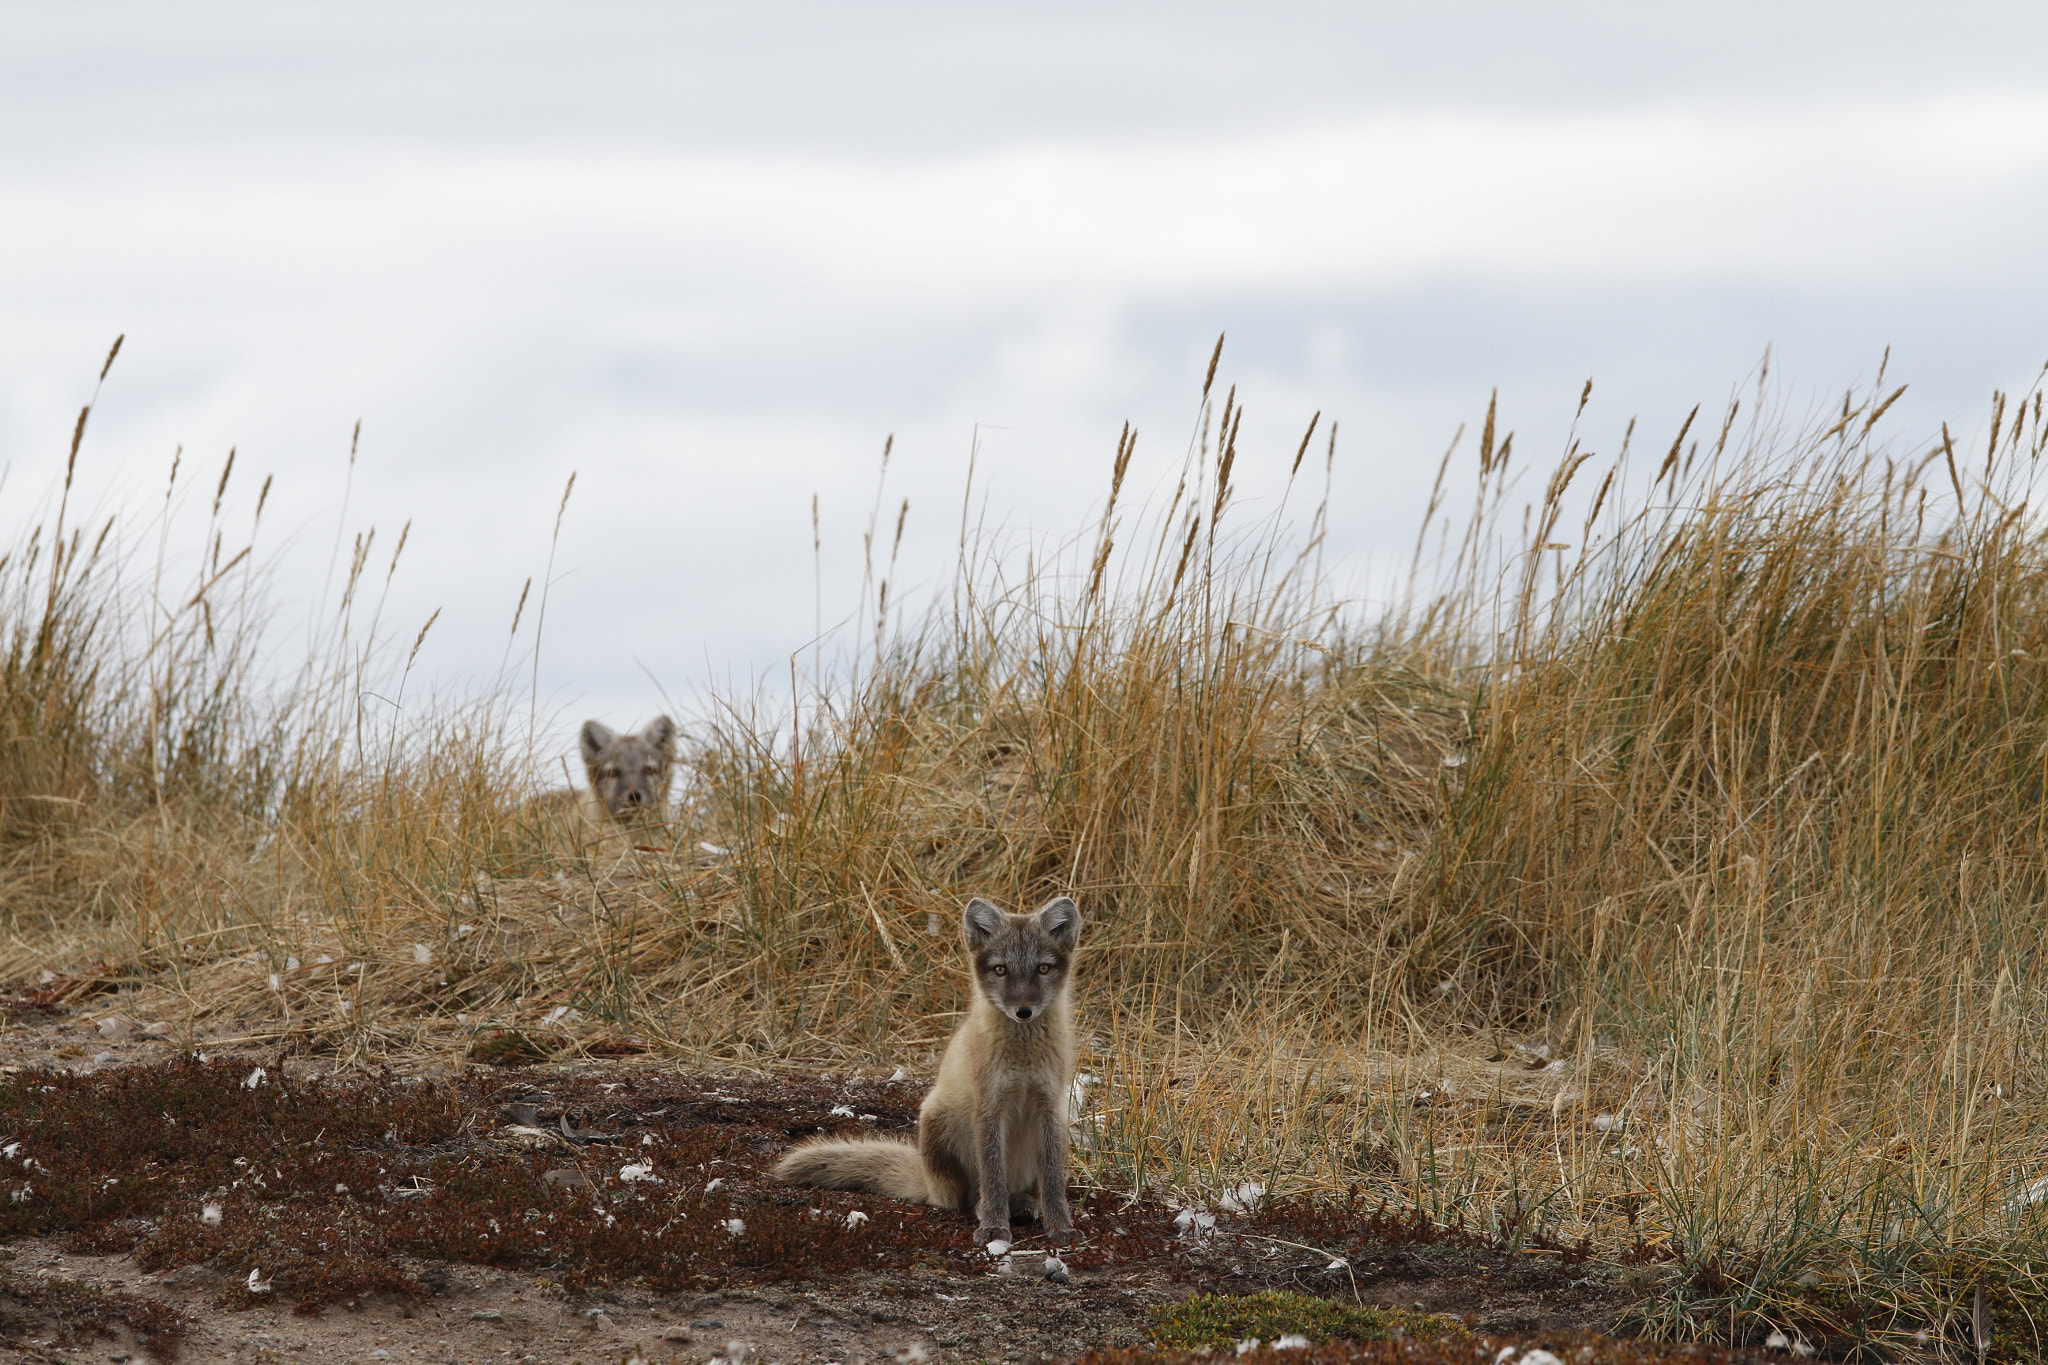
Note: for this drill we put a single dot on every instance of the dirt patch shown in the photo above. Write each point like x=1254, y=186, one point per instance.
x=480, y=1313
x=274, y=1212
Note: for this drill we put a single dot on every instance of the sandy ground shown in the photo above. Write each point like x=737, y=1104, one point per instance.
x=479, y=1315
x=489, y=1315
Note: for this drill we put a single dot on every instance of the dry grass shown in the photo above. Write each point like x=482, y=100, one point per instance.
x=1694, y=869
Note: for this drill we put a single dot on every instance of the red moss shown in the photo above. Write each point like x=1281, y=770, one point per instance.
x=333, y=1189
x=67, y=1314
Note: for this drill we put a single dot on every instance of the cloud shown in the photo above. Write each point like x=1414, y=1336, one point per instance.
x=714, y=308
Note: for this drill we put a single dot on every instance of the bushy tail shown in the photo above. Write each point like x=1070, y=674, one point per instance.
x=877, y=1165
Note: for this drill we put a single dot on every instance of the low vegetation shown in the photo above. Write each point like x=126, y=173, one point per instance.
x=1219, y=1321
x=1664, y=875
x=334, y=1189
x=1402, y=1350
x=82, y=1315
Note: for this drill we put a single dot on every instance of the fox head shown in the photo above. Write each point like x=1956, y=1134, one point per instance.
x=630, y=773
x=1020, y=961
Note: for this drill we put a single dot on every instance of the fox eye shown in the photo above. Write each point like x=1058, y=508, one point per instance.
x=1045, y=969
x=1000, y=970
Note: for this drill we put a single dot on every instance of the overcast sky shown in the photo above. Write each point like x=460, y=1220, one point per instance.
x=710, y=256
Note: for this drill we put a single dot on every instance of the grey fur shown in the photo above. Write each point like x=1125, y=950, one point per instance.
x=630, y=774
x=992, y=1134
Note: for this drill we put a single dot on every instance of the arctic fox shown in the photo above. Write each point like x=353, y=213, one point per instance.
x=629, y=774
x=992, y=1135
x=628, y=793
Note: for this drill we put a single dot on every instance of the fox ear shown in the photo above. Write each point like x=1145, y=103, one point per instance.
x=980, y=922
x=596, y=735
x=661, y=733
x=1061, y=919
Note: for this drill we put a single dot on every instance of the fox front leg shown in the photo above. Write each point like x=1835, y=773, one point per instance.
x=1053, y=1209
x=992, y=1189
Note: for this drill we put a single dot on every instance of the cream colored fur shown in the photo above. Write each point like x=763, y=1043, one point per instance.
x=992, y=1134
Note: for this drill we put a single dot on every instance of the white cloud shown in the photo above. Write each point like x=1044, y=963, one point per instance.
x=717, y=249
x=715, y=307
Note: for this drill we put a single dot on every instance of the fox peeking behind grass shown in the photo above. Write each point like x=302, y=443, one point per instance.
x=992, y=1135
x=629, y=778
x=629, y=774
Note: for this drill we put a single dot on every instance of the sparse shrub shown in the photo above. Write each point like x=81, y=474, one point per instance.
x=508, y=1047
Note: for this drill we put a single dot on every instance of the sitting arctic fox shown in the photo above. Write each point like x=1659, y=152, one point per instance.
x=992, y=1135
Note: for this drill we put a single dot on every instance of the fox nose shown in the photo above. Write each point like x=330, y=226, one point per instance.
x=633, y=798
x=1023, y=1011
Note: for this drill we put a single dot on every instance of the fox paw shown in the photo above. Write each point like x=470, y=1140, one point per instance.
x=984, y=1235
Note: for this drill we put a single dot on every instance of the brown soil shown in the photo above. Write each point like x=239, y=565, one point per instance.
x=469, y=1213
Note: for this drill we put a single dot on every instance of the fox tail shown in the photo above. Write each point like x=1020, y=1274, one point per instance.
x=878, y=1165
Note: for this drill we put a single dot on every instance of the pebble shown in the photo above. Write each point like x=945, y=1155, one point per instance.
x=487, y=1315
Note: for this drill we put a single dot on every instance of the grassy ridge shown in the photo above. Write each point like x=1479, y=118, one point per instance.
x=1668, y=871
